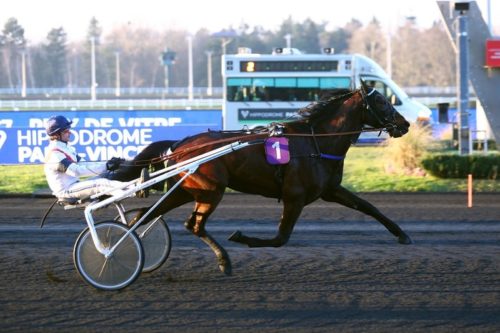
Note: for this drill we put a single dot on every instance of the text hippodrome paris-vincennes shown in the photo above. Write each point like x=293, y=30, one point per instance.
x=100, y=138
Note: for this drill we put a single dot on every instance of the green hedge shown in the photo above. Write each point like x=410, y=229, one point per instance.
x=459, y=166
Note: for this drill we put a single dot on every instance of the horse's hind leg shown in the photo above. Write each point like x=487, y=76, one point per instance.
x=196, y=224
x=174, y=200
x=291, y=212
x=349, y=199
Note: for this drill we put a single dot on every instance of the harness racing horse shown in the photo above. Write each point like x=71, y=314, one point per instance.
x=318, y=142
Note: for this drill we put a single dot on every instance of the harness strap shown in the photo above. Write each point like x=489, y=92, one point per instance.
x=315, y=141
x=322, y=155
x=332, y=157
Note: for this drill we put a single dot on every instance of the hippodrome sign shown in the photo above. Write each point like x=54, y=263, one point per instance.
x=99, y=135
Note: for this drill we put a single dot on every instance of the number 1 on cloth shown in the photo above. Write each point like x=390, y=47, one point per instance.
x=277, y=150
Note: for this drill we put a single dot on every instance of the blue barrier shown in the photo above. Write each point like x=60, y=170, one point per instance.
x=444, y=130
x=99, y=135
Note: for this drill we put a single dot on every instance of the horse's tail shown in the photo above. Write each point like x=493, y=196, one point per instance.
x=151, y=156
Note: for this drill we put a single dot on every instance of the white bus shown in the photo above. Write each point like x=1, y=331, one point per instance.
x=259, y=89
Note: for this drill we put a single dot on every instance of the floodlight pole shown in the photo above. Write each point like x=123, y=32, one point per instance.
x=93, y=83
x=224, y=42
x=117, y=63
x=209, y=72
x=288, y=39
x=23, y=73
x=165, y=67
x=190, y=67
x=464, y=137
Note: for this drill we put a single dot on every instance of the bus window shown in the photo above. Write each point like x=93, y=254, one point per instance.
x=237, y=93
x=308, y=82
x=334, y=82
x=260, y=89
x=240, y=94
x=263, y=82
x=239, y=82
x=282, y=89
x=285, y=82
x=237, y=89
x=385, y=90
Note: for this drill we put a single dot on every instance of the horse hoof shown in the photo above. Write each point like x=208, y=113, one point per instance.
x=235, y=237
x=225, y=266
x=404, y=239
x=225, y=269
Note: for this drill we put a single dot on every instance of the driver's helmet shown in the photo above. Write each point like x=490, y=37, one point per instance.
x=57, y=124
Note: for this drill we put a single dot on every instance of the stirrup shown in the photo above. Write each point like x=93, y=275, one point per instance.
x=142, y=179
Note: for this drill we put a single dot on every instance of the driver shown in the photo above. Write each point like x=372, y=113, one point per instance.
x=64, y=167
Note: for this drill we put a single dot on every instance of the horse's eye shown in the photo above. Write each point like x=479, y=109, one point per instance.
x=381, y=102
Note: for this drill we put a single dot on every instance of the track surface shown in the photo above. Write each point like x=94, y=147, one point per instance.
x=340, y=272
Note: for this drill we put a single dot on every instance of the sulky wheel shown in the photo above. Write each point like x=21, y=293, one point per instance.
x=116, y=271
x=155, y=238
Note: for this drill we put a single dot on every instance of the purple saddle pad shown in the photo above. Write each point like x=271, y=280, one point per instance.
x=277, y=150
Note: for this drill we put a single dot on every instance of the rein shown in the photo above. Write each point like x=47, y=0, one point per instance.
x=254, y=136
x=183, y=151
x=262, y=135
x=336, y=134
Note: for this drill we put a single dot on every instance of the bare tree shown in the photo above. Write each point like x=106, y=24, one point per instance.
x=408, y=55
x=369, y=41
x=439, y=61
x=139, y=49
x=419, y=56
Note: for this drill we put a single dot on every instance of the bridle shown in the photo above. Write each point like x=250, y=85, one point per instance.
x=388, y=121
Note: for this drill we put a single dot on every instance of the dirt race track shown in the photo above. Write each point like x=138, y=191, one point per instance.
x=340, y=272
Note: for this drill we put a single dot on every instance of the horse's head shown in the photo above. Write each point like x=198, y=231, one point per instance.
x=381, y=114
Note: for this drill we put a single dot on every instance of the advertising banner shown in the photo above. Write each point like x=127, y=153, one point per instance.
x=99, y=135
x=493, y=53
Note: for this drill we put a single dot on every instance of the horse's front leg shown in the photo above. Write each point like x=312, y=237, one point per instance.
x=196, y=224
x=291, y=212
x=349, y=199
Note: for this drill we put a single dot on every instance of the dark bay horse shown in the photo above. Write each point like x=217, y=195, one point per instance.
x=318, y=142
x=152, y=156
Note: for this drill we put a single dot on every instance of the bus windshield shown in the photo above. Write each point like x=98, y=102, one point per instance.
x=282, y=89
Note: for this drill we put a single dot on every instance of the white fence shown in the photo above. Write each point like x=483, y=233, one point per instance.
x=161, y=98
x=130, y=104
x=150, y=92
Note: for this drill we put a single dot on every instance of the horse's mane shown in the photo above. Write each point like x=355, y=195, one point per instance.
x=332, y=99
x=327, y=104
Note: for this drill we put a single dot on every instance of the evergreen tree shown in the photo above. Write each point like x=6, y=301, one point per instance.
x=94, y=30
x=338, y=39
x=12, y=43
x=55, y=51
x=306, y=36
